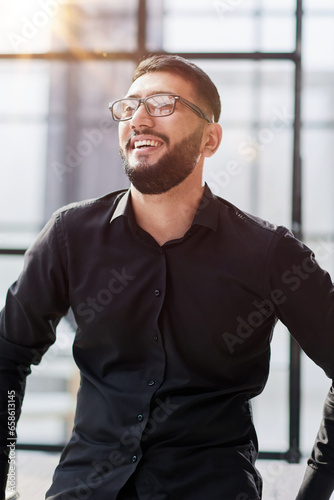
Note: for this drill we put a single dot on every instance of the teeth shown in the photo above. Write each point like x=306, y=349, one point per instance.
x=139, y=144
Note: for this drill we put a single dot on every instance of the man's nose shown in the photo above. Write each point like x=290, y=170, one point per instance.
x=141, y=117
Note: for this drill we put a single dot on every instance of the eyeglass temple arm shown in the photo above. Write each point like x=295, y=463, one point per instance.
x=194, y=108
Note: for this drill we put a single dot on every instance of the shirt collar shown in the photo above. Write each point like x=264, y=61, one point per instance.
x=207, y=213
x=123, y=206
x=208, y=210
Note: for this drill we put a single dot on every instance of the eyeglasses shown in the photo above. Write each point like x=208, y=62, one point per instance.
x=157, y=105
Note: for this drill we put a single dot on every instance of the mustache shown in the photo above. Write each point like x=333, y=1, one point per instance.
x=147, y=131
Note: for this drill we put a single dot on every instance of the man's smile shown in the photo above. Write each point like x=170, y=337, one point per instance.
x=145, y=140
x=146, y=143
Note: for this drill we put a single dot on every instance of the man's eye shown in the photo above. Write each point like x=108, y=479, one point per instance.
x=164, y=109
x=128, y=108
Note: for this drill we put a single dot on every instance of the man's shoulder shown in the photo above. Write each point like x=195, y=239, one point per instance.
x=102, y=203
x=248, y=222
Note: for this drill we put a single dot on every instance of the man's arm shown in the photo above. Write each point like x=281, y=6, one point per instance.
x=307, y=309
x=34, y=307
x=318, y=482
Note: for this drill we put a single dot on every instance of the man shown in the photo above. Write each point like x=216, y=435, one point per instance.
x=175, y=293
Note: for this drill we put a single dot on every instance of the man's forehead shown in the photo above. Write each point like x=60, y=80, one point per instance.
x=159, y=82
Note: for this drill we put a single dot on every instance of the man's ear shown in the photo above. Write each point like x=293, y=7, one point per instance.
x=213, y=136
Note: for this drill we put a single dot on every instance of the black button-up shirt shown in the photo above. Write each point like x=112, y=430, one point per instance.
x=172, y=343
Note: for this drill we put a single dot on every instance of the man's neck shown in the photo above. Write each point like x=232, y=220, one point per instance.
x=167, y=216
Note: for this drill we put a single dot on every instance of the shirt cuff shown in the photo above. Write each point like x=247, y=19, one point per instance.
x=316, y=486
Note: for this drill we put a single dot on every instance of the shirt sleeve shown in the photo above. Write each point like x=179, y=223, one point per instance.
x=319, y=477
x=34, y=306
x=306, y=307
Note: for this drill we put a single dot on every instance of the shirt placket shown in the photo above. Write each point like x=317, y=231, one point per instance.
x=143, y=421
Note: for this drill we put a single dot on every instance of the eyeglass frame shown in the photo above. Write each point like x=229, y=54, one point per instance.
x=142, y=100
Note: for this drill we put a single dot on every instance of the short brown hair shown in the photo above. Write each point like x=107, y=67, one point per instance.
x=204, y=86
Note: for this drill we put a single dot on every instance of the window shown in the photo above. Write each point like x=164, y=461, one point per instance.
x=63, y=61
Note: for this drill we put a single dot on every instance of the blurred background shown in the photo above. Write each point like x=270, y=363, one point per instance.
x=62, y=62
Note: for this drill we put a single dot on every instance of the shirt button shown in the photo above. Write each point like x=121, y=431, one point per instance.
x=157, y=293
x=140, y=417
x=134, y=458
x=155, y=337
x=151, y=382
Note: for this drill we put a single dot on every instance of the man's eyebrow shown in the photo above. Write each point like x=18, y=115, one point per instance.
x=154, y=92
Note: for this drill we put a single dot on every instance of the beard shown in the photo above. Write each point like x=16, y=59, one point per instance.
x=170, y=170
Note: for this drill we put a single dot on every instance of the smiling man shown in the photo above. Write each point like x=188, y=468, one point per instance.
x=166, y=157
x=145, y=146
x=176, y=293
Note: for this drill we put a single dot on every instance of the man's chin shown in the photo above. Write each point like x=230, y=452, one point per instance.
x=146, y=183
x=142, y=162
x=138, y=167
x=137, y=161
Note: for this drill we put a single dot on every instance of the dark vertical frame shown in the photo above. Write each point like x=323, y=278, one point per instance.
x=293, y=453
x=142, y=26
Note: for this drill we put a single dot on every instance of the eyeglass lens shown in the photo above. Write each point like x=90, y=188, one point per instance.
x=159, y=105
